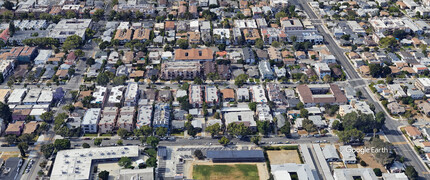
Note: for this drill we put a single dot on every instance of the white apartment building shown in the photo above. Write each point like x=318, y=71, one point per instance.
x=108, y=121
x=131, y=94
x=258, y=94
x=116, y=95
x=144, y=116
x=91, y=120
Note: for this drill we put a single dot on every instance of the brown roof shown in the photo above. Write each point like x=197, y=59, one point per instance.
x=409, y=70
x=169, y=25
x=128, y=57
x=13, y=127
x=394, y=69
x=426, y=144
x=136, y=74
x=286, y=54
x=27, y=51
x=193, y=54
x=227, y=93
x=307, y=96
x=412, y=131
x=354, y=55
x=30, y=127
x=364, y=69
x=251, y=34
x=142, y=34
x=209, y=67
x=300, y=53
x=22, y=112
x=62, y=73
x=123, y=34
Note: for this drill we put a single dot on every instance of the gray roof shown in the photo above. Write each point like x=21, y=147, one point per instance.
x=233, y=154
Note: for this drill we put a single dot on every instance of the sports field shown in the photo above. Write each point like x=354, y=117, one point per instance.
x=225, y=172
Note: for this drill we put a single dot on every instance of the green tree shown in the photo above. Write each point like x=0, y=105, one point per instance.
x=161, y=131
x=151, y=162
x=336, y=125
x=259, y=43
x=411, y=172
x=122, y=132
x=350, y=136
x=199, y=154
x=47, y=150
x=69, y=107
x=383, y=157
x=23, y=147
x=309, y=126
x=377, y=171
x=153, y=141
x=304, y=113
x=182, y=43
x=240, y=80
x=252, y=106
x=255, y=139
x=5, y=112
x=238, y=129
x=213, y=129
x=124, y=162
x=286, y=129
x=47, y=116
x=276, y=44
x=119, y=80
x=98, y=141
x=224, y=141
x=102, y=79
x=70, y=14
x=104, y=175
x=61, y=144
x=119, y=142
x=72, y=42
x=98, y=14
x=263, y=127
x=86, y=145
x=198, y=81
x=10, y=139
x=79, y=53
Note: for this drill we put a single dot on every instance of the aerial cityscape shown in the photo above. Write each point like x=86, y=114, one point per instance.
x=214, y=89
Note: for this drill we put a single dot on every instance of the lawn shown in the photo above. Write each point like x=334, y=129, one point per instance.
x=90, y=135
x=225, y=172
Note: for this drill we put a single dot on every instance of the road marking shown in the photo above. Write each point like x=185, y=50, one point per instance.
x=399, y=143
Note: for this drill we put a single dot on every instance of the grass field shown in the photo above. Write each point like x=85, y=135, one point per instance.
x=225, y=172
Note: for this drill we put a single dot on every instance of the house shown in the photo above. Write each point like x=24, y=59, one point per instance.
x=248, y=55
x=348, y=155
x=413, y=132
x=397, y=167
x=424, y=108
x=15, y=128
x=330, y=153
x=415, y=93
x=396, y=108
x=242, y=94
x=322, y=70
x=265, y=70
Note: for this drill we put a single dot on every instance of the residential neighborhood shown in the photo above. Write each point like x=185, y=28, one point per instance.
x=215, y=89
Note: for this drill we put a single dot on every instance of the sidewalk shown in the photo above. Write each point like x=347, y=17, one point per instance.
x=413, y=149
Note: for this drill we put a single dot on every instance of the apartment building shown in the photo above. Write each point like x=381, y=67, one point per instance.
x=142, y=34
x=161, y=115
x=131, y=94
x=144, y=116
x=196, y=96
x=125, y=118
x=211, y=95
x=275, y=94
x=116, y=95
x=258, y=94
x=107, y=123
x=90, y=121
x=423, y=84
x=123, y=35
x=100, y=94
x=194, y=54
x=182, y=69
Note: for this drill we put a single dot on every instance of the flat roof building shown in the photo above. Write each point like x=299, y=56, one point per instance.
x=76, y=163
x=258, y=94
x=321, y=94
x=4, y=95
x=90, y=121
x=196, y=95
x=236, y=156
x=354, y=173
x=131, y=94
x=144, y=116
x=32, y=96
x=68, y=27
x=16, y=96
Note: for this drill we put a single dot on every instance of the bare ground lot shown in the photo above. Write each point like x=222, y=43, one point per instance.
x=283, y=156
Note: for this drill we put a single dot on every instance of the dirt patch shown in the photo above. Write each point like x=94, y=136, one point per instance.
x=371, y=162
x=283, y=156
